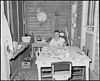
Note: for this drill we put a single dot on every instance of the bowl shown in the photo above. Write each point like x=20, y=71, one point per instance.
x=26, y=39
x=19, y=46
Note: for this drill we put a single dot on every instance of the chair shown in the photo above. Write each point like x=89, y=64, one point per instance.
x=61, y=70
x=85, y=50
x=62, y=34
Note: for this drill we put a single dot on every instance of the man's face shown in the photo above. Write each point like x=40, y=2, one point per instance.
x=56, y=34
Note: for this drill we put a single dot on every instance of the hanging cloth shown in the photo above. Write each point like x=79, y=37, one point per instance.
x=6, y=46
x=67, y=35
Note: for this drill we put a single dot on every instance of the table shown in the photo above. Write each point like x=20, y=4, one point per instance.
x=77, y=59
x=38, y=45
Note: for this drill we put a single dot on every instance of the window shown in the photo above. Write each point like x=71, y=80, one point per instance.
x=91, y=15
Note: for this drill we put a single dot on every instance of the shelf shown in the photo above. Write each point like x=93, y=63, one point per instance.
x=16, y=53
x=46, y=70
x=78, y=73
x=46, y=73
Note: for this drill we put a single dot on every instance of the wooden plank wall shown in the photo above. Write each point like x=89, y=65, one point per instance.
x=96, y=65
x=78, y=22
x=49, y=7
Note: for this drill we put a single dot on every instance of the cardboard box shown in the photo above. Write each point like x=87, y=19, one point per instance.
x=26, y=64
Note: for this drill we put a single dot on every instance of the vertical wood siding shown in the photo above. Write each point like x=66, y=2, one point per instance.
x=77, y=35
x=20, y=11
x=96, y=64
x=15, y=23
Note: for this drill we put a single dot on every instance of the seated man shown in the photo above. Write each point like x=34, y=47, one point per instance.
x=56, y=46
x=57, y=41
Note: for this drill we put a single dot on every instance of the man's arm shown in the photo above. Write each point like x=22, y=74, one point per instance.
x=62, y=42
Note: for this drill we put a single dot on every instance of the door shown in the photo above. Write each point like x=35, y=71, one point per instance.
x=89, y=28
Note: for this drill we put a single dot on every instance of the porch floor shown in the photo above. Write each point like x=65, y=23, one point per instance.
x=28, y=73
x=32, y=73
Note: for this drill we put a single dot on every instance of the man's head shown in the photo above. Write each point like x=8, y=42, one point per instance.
x=56, y=32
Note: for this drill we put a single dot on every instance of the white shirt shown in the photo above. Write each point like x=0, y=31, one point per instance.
x=57, y=43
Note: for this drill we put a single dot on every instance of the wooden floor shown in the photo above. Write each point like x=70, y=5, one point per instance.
x=28, y=73
x=32, y=73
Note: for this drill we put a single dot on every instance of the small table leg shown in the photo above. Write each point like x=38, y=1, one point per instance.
x=39, y=73
x=87, y=73
x=33, y=52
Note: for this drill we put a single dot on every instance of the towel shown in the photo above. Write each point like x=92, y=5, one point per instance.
x=67, y=34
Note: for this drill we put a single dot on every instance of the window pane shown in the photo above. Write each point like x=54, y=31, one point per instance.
x=93, y=13
x=90, y=16
x=88, y=13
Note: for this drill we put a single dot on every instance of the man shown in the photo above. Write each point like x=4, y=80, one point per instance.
x=57, y=41
x=56, y=45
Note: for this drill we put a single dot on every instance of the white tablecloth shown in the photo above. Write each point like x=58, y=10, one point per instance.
x=75, y=57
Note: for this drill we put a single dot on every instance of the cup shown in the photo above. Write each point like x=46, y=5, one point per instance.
x=15, y=45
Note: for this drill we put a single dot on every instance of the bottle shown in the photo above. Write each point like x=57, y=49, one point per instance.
x=32, y=37
x=39, y=38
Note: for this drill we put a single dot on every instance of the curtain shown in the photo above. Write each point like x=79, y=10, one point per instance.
x=6, y=46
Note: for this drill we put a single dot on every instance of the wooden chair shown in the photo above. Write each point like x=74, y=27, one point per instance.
x=62, y=34
x=61, y=70
x=85, y=50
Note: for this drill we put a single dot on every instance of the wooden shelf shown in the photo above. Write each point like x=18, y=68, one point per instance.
x=77, y=73
x=16, y=53
x=46, y=73
x=46, y=69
